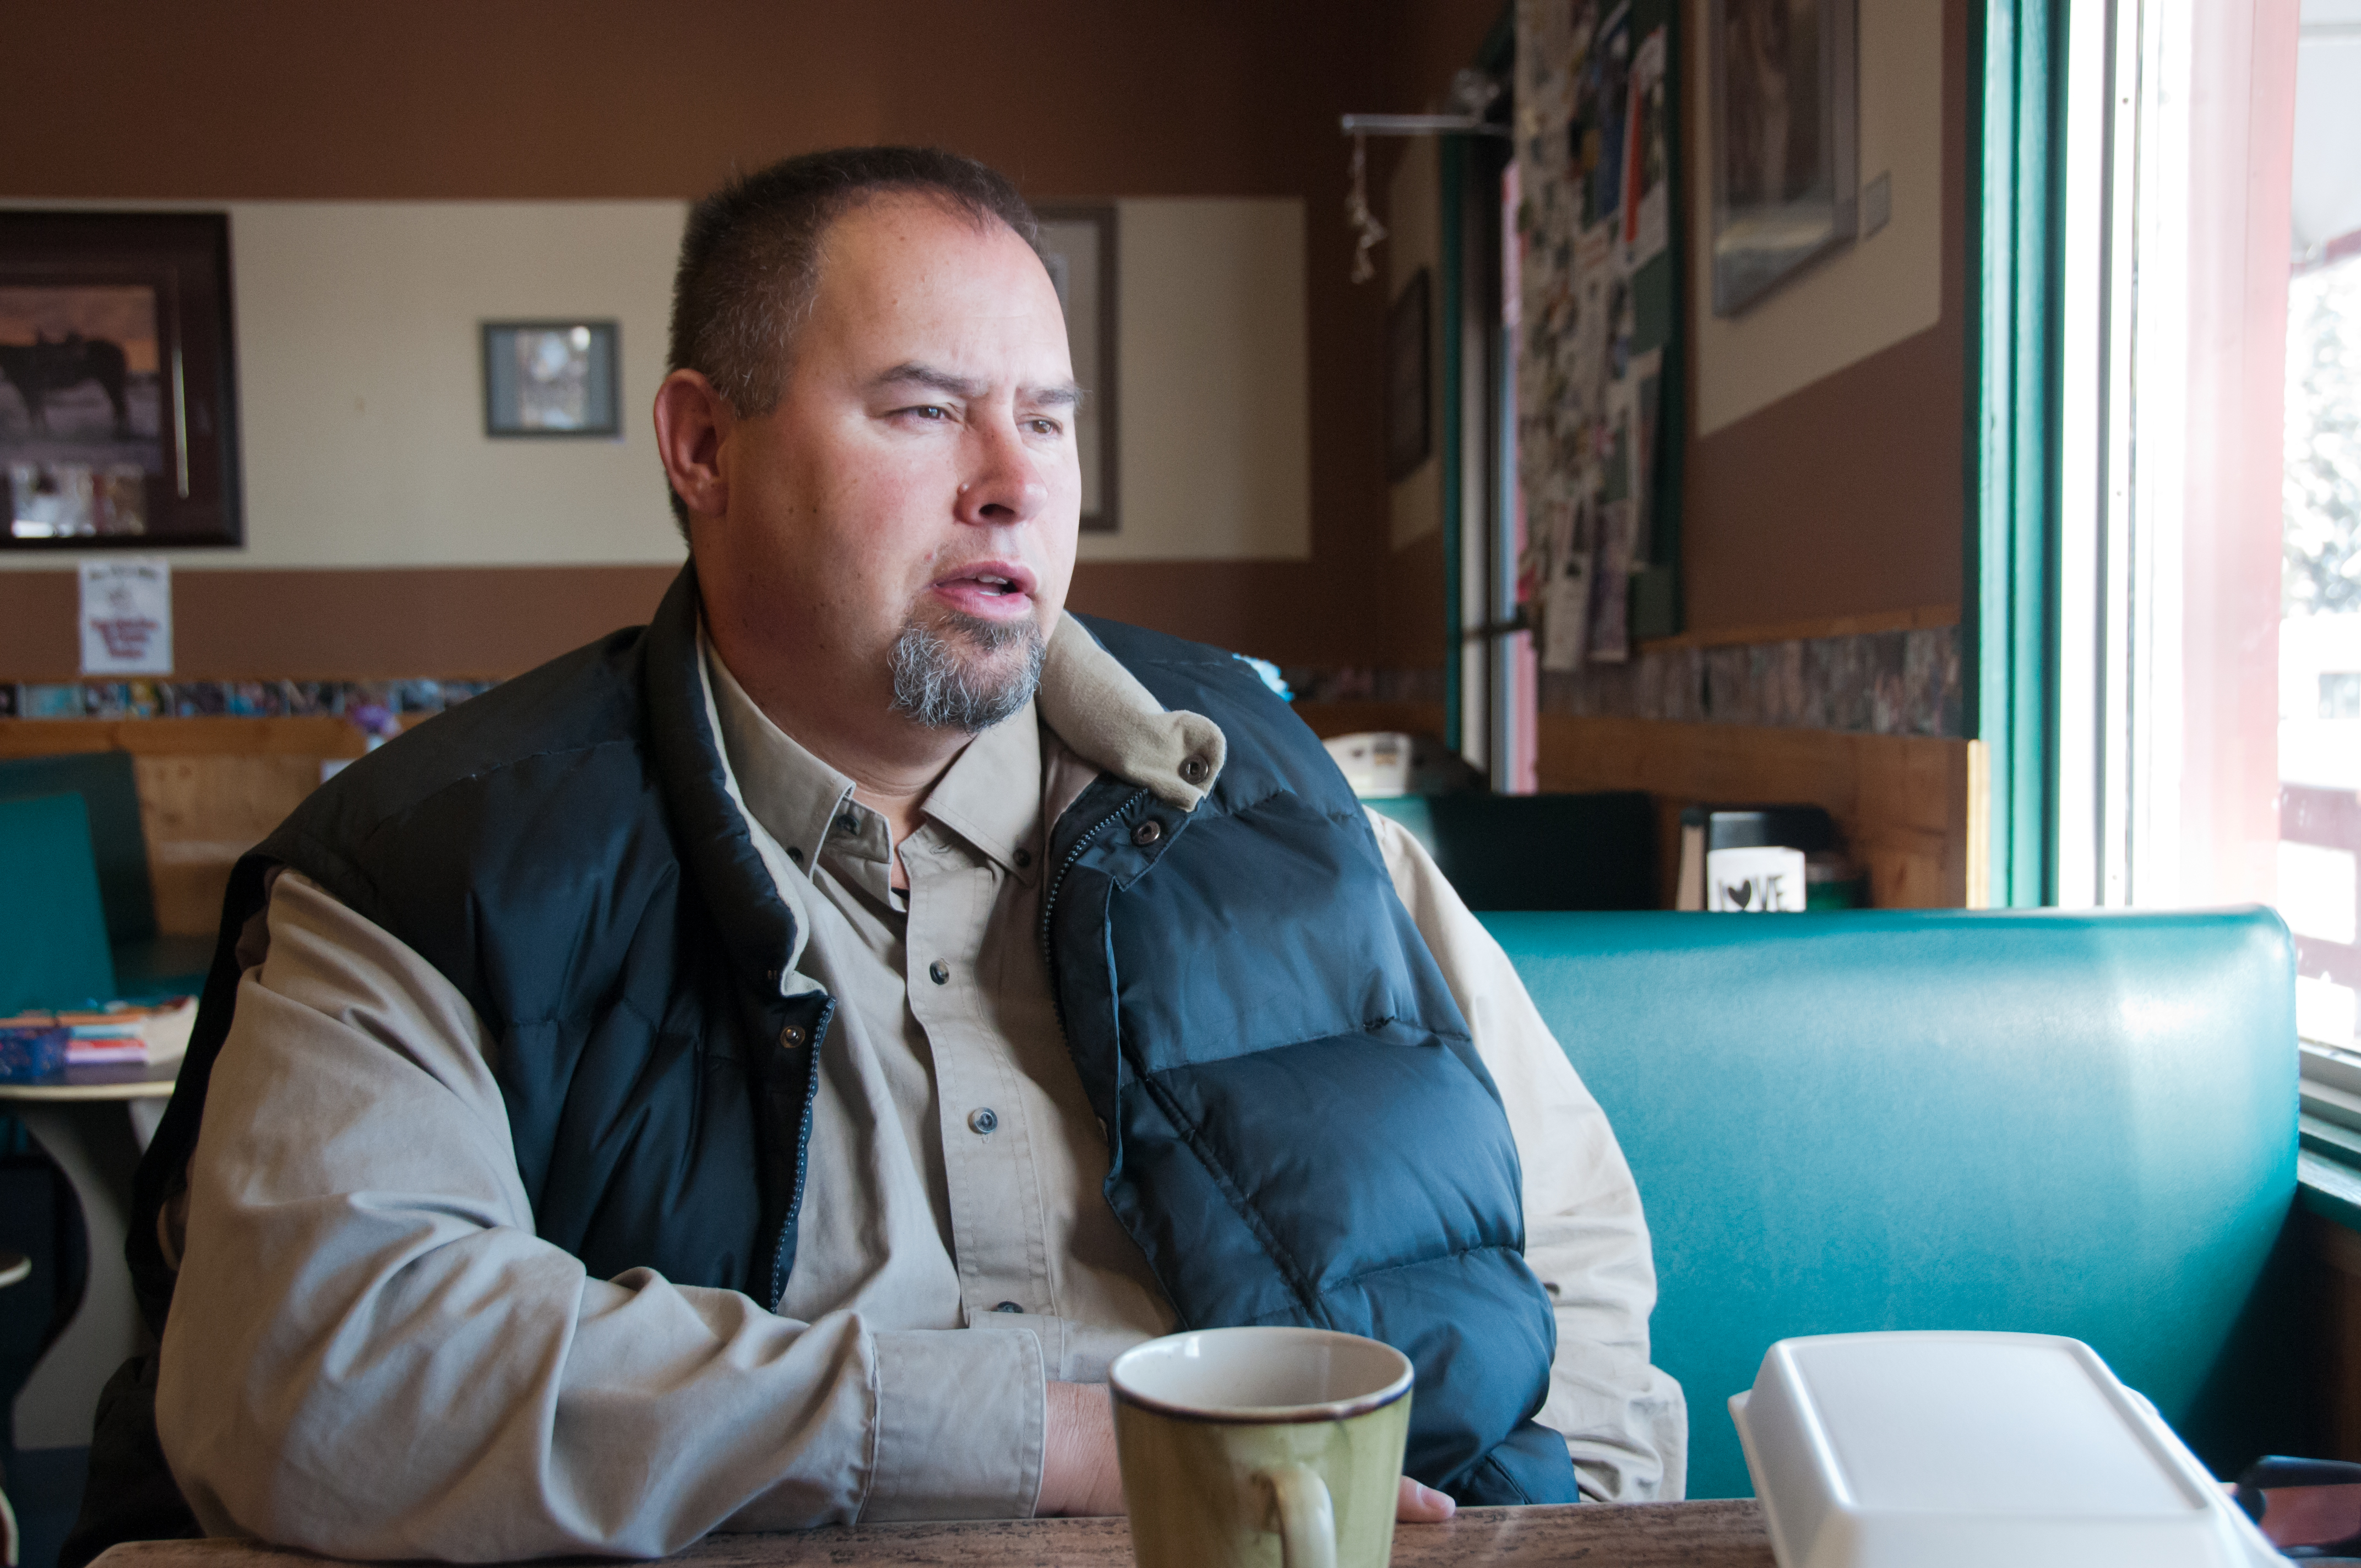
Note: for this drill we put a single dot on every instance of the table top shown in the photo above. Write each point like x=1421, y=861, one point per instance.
x=1649, y=1535
x=146, y=1080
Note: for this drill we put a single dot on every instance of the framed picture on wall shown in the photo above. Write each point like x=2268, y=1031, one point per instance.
x=1077, y=246
x=551, y=378
x=1786, y=180
x=118, y=403
x=1409, y=401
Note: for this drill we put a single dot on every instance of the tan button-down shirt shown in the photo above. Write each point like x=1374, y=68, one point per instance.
x=370, y=1352
x=949, y=1090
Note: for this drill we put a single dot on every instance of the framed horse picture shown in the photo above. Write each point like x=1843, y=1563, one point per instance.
x=118, y=401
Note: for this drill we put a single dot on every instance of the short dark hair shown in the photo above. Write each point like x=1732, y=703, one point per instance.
x=750, y=255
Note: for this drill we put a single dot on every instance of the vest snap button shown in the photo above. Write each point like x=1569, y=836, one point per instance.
x=981, y=1120
x=939, y=972
x=1194, y=769
x=1008, y=1307
x=791, y=1037
x=1148, y=832
x=1024, y=859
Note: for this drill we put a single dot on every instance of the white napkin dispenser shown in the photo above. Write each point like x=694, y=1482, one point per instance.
x=1963, y=1450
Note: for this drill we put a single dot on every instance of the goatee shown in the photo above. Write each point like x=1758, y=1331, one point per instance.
x=951, y=676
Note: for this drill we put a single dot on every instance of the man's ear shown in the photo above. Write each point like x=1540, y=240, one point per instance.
x=691, y=418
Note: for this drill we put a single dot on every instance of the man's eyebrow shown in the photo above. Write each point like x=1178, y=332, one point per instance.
x=1058, y=394
x=912, y=373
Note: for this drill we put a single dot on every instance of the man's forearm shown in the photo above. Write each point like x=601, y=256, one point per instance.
x=370, y=1354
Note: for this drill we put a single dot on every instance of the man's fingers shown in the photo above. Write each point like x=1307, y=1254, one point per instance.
x=1423, y=1505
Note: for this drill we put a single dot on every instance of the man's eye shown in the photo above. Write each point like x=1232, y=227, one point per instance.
x=932, y=411
x=1047, y=427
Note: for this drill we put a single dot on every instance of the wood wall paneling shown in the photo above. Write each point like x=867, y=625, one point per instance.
x=210, y=789
x=1901, y=800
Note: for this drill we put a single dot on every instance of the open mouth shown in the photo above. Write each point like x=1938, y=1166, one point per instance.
x=988, y=583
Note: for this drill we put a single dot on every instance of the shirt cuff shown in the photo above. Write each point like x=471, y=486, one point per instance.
x=961, y=1420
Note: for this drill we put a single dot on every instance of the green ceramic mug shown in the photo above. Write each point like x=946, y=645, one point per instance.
x=1261, y=1448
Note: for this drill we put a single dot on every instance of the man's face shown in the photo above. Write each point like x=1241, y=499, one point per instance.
x=916, y=488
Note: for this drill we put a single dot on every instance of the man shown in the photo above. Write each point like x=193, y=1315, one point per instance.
x=757, y=1070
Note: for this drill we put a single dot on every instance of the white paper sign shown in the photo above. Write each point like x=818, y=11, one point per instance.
x=1763, y=880
x=126, y=616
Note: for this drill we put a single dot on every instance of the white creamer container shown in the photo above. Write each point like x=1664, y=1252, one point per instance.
x=1961, y=1450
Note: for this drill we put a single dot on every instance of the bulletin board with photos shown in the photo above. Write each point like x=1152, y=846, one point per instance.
x=118, y=409
x=1601, y=393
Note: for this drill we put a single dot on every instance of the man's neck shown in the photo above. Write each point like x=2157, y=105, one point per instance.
x=891, y=761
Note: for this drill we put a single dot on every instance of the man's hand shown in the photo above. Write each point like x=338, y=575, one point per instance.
x=1423, y=1505
x=1079, y=1475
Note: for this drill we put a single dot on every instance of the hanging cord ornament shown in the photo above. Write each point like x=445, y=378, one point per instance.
x=1370, y=232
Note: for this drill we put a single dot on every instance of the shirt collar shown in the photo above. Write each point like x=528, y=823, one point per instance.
x=991, y=794
x=798, y=798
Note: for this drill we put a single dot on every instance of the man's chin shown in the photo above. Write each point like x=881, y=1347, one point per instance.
x=956, y=670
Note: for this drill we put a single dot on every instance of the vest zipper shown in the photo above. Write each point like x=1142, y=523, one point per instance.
x=1057, y=881
x=820, y=1021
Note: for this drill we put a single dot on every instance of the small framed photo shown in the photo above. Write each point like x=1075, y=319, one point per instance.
x=1409, y=400
x=1785, y=180
x=118, y=396
x=551, y=378
x=1078, y=247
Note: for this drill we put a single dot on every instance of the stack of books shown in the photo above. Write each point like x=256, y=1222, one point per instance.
x=121, y=1035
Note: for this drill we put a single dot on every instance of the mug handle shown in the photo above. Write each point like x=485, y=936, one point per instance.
x=1305, y=1518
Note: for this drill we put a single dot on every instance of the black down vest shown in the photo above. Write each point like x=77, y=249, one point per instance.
x=1300, y=1131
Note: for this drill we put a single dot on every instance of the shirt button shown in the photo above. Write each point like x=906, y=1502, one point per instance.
x=791, y=1037
x=1024, y=859
x=1008, y=1307
x=848, y=824
x=981, y=1120
x=939, y=972
x=1148, y=832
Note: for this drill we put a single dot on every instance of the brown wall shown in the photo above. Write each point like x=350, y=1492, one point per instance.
x=263, y=99
x=1847, y=498
x=1843, y=499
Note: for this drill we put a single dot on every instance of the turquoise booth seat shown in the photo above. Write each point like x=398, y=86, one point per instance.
x=2077, y=1124
x=147, y=965
x=52, y=925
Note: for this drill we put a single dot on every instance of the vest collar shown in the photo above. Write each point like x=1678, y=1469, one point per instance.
x=1101, y=711
x=686, y=756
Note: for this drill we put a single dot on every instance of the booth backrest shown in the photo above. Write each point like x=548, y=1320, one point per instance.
x=52, y=936
x=109, y=787
x=1595, y=851
x=2078, y=1125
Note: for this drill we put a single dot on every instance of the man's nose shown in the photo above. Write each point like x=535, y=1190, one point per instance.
x=1002, y=484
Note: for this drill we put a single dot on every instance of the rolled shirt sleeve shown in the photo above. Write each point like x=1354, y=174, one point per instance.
x=370, y=1354
x=1624, y=1421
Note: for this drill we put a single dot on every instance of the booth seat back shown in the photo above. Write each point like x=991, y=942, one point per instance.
x=2046, y=1123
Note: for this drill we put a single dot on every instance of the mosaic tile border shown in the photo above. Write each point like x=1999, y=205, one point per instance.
x=231, y=699
x=1875, y=683
x=1901, y=682
x=1878, y=682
